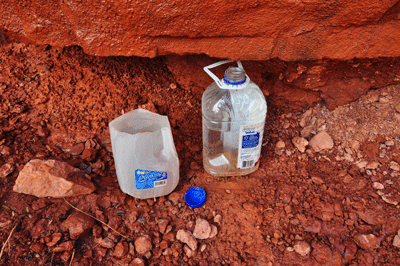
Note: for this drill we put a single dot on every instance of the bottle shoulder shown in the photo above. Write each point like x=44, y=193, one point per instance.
x=229, y=105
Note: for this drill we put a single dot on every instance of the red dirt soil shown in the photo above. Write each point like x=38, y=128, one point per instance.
x=52, y=99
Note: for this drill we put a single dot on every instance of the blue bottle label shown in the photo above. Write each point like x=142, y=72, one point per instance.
x=150, y=179
x=250, y=140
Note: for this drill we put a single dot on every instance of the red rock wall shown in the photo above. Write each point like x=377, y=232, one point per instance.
x=246, y=29
x=297, y=84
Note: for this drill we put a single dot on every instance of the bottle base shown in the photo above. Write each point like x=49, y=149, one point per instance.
x=225, y=164
x=217, y=171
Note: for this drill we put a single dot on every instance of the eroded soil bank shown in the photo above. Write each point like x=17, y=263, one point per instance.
x=334, y=207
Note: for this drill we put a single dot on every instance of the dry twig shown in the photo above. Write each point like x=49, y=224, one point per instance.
x=97, y=220
x=8, y=239
x=72, y=257
x=52, y=258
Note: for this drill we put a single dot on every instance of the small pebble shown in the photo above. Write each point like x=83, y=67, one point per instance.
x=372, y=165
x=202, y=229
x=143, y=244
x=90, y=144
x=77, y=224
x=188, y=251
x=384, y=100
x=54, y=239
x=169, y=229
x=76, y=149
x=387, y=198
x=389, y=143
x=203, y=247
x=6, y=169
x=194, y=166
x=150, y=106
x=65, y=246
x=218, y=218
x=321, y=141
x=280, y=144
x=361, y=164
x=4, y=150
x=162, y=225
x=4, y=223
x=37, y=247
x=164, y=244
x=137, y=262
x=366, y=241
x=89, y=155
x=322, y=253
x=300, y=143
x=397, y=107
x=378, y=185
x=65, y=256
x=396, y=241
x=175, y=197
x=302, y=248
x=394, y=166
x=121, y=249
x=105, y=242
x=187, y=238
x=214, y=231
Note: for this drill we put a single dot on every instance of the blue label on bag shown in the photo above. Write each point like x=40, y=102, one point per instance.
x=250, y=141
x=150, y=179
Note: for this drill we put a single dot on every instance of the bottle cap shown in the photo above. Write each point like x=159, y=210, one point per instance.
x=195, y=197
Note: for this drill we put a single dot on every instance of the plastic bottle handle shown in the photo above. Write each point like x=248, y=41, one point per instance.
x=216, y=79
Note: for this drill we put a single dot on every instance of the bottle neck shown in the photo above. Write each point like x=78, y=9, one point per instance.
x=235, y=76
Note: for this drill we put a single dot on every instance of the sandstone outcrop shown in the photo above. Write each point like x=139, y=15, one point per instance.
x=249, y=30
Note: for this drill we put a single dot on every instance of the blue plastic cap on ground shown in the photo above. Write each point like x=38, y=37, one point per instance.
x=195, y=197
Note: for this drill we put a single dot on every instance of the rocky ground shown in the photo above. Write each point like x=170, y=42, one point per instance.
x=326, y=193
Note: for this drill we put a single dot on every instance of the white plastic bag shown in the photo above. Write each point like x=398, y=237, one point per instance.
x=145, y=157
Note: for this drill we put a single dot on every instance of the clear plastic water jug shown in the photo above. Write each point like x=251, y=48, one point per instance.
x=234, y=111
